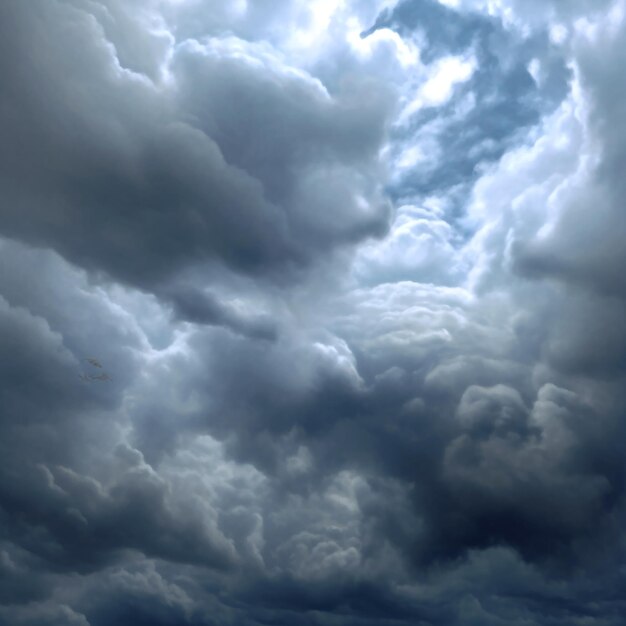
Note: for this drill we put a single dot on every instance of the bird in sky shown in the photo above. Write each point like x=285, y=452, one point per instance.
x=91, y=377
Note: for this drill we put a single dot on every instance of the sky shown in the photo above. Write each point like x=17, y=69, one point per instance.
x=312, y=312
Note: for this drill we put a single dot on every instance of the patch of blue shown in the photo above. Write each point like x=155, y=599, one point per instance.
x=508, y=101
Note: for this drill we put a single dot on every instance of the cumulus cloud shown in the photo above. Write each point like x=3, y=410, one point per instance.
x=312, y=312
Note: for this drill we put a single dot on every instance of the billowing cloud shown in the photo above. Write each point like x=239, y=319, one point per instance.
x=312, y=313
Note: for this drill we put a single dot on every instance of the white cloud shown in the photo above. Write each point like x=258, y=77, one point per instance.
x=439, y=84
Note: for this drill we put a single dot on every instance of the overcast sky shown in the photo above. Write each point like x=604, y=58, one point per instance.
x=312, y=312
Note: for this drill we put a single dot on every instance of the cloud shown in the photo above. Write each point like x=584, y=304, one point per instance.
x=438, y=89
x=110, y=149
x=353, y=272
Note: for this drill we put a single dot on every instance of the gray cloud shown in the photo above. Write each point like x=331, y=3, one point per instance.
x=267, y=360
x=112, y=151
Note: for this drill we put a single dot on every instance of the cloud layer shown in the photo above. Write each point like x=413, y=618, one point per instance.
x=312, y=313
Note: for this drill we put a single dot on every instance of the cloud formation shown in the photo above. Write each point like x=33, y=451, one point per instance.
x=353, y=273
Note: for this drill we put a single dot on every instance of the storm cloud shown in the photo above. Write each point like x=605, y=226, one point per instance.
x=312, y=312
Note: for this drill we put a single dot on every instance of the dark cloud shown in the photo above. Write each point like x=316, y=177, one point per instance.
x=193, y=305
x=585, y=246
x=266, y=359
x=145, y=179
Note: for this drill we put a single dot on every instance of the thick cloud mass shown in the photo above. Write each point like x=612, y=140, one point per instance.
x=312, y=313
